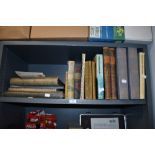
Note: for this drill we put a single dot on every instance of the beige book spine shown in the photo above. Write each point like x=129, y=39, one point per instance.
x=86, y=80
x=142, y=74
x=82, y=76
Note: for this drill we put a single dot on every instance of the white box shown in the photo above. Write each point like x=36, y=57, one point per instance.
x=138, y=34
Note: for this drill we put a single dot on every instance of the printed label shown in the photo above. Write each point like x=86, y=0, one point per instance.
x=47, y=95
x=95, y=32
x=144, y=76
x=124, y=81
x=72, y=101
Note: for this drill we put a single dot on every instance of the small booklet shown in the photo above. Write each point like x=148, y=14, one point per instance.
x=30, y=74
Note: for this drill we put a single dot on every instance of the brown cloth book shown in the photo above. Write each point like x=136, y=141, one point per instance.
x=107, y=72
x=88, y=80
x=113, y=73
x=37, y=81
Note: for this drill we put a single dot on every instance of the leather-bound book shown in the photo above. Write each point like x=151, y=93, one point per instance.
x=122, y=75
x=133, y=72
x=113, y=73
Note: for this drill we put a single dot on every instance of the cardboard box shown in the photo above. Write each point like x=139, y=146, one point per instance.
x=138, y=34
x=14, y=32
x=59, y=32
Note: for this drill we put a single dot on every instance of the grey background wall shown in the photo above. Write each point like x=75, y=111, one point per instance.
x=151, y=54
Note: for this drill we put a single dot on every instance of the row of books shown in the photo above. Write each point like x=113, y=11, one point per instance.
x=118, y=73
x=35, y=86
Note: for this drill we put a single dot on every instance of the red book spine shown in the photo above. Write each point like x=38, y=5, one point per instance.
x=113, y=73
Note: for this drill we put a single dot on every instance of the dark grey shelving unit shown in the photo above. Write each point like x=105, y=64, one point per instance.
x=71, y=101
x=51, y=58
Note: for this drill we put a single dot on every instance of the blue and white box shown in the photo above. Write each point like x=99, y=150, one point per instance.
x=101, y=33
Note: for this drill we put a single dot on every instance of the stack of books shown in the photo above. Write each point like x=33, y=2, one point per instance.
x=33, y=84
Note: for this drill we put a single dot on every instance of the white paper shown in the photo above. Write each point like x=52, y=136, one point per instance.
x=30, y=74
x=104, y=123
x=72, y=101
x=95, y=32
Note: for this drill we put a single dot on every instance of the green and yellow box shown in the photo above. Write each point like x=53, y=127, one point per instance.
x=118, y=33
